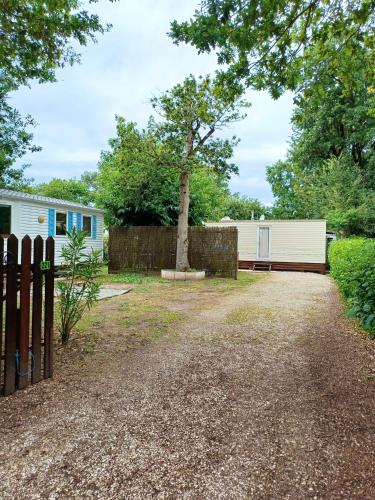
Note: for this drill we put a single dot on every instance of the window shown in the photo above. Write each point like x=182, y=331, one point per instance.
x=60, y=224
x=86, y=225
x=5, y=218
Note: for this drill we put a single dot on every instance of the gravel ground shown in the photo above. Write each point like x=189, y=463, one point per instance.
x=268, y=393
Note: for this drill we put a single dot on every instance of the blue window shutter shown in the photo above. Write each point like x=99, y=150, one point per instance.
x=70, y=221
x=93, y=229
x=51, y=222
x=79, y=221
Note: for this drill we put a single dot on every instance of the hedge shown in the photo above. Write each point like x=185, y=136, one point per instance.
x=352, y=264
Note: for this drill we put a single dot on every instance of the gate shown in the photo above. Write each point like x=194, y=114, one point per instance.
x=26, y=312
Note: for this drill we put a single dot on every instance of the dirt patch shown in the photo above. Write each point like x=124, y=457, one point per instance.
x=278, y=406
x=245, y=314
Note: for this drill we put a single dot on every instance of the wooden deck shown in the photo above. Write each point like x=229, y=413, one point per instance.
x=305, y=267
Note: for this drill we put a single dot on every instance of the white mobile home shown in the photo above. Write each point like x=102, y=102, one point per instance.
x=295, y=245
x=23, y=213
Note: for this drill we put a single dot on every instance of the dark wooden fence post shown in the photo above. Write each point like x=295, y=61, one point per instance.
x=36, y=375
x=24, y=311
x=11, y=316
x=48, y=308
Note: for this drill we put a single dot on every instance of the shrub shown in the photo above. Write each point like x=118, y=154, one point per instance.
x=78, y=289
x=352, y=263
x=352, y=221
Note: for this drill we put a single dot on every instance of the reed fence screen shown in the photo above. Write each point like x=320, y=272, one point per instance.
x=149, y=249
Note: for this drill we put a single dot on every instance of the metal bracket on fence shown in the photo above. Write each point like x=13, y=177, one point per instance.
x=24, y=374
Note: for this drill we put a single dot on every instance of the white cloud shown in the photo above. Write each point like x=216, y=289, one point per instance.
x=265, y=154
x=249, y=182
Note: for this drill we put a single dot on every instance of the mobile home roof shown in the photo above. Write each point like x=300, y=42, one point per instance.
x=15, y=195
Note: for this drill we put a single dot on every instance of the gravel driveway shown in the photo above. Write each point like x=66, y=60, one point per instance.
x=270, y=393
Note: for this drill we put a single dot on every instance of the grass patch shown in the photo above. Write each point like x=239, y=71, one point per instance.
x=148, y=321
x=133, y=314
x=131, y=278
x=243, y=279
x=89, y=319
x=153, y=310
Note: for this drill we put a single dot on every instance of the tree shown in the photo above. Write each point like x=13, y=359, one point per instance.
x=333, y=111
x=330, y=169
x=78, y=190
x=192, y=112
x=285, y=178
x=135, y=189
x=335, y=190
x=36, y=37
x=90, y=179
x=15, y=141
x=266, y=42
x=239, y=207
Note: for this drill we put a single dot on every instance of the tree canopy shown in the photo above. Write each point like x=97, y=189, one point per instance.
x=134, y=188
x=36, y=37
x=81, y=190
x=192, y=112
x=242, y=207
x=330, y=169
x=266, y=42
x=15, y=141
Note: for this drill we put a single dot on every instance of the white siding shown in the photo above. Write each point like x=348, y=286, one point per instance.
x=25, y=216
x=291, y=240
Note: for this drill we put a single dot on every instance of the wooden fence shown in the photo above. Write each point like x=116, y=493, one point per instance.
x=26, y=312
x=151, y=248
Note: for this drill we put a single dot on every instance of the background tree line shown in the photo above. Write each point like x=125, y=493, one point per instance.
x=149, y=199
x=330, y=169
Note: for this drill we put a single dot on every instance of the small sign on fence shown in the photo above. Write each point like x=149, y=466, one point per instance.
x=45, y=265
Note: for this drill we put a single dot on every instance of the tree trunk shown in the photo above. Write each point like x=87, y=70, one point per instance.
x=182, y=263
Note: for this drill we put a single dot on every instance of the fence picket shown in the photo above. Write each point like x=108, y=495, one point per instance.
x=36, y=374
x=11, y=316
x=24, y=312
x=48, y=309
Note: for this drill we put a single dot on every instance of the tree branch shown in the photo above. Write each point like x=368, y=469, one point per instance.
x=202, y=140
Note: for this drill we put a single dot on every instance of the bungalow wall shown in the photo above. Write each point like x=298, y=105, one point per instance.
x=33, y=218
x=293, y=244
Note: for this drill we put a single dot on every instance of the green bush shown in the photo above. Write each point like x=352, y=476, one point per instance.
x=352, y=264
x=78, y=289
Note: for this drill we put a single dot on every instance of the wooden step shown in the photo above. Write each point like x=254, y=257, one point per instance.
x=262, y=266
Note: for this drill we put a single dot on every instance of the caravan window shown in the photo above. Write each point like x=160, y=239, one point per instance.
x=5, y=218
x=60, y=223
x=86, y=225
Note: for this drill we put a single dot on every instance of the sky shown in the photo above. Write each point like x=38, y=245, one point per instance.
x=117, y=76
